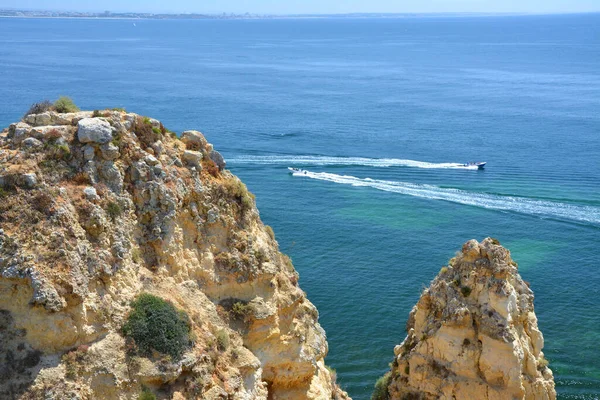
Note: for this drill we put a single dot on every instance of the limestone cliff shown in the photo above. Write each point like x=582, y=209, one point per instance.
x=473, y=334
x=97, y=208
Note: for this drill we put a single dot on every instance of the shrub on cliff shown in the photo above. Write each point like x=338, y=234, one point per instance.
x=146, y=394
x=65, y=104
x=41, y=107
x=381, y=387
x=113, y=210
x=155, y=324
x=144, y=131
x=234, y=188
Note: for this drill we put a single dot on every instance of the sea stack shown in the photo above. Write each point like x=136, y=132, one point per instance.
x=134, y=265
x=473, y=334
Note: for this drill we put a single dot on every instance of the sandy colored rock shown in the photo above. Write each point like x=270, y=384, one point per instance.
x=192, y=158
x=194, y=140
x=473, y=334
x=104, y=223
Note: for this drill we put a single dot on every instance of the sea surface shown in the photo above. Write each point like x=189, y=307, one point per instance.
x=380, y=112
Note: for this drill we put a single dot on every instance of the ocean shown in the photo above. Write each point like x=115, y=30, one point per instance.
x=381, y=112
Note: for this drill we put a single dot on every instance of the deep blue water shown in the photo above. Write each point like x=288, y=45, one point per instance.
x=522, y=93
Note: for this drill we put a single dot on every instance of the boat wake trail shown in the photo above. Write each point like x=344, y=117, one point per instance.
x=360, y=161
x=579, y=213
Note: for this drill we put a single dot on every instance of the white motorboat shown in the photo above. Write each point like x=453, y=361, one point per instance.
x=478, y=164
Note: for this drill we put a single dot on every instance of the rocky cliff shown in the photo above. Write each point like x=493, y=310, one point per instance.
x=472, y=335
x=99, y=208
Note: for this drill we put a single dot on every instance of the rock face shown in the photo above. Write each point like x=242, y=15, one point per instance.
x=105, y=208
x=94, y=130
x=473, y=334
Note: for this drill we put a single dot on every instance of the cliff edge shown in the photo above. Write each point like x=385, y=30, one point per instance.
x=472, y=335
x=101, y=211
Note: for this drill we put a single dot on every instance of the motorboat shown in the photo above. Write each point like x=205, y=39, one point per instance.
x=478, y=164
x=297, y=171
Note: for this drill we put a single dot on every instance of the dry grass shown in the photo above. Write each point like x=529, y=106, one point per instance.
x=209, y=166
x=43, y=203
x=144, y=131
x=81, y=178
x=41, y=107
x=236, y=190
x=270, y=232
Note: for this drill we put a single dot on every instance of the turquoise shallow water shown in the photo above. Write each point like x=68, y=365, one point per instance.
x=379, y=112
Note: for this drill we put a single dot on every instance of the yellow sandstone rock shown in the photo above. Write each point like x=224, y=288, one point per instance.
x=473, y=334
x=86, y=227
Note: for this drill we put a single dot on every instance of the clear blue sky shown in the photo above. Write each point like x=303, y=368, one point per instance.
x=310, y=6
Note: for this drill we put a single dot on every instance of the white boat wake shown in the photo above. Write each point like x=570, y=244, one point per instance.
x=359, y=161
x=587, y=214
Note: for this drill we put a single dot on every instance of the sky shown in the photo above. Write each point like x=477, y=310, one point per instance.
x=310, y=6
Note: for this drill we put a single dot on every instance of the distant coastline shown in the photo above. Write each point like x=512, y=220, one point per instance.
x=9, y=13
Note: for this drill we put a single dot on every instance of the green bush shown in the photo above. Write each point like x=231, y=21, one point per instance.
x=222, y=340
x=542, y=363
x=234, y=188
x=241, y=310
x=58, y=151
x=381, y=387
x=64, y=104
x=146, y=394
x=113, y=210
x=155, y=324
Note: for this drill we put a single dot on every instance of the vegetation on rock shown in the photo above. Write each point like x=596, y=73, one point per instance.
x=146, y=394
x=155, y=324
x=234, y=188
x=41, y=107
x=113, y=210
x=222, y=340
x=65, y=104
x=381, y=387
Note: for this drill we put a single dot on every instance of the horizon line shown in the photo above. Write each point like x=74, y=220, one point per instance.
x=341, y=14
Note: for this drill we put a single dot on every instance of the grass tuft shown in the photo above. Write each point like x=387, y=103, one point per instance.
x=65, y=104
x=222, y=340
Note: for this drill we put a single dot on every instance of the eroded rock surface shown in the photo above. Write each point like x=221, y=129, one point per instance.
x=473, y=334
x=98, y=208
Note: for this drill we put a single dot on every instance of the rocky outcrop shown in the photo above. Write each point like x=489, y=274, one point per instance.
x=97, y=208
x=473, y=334
x=94, y=130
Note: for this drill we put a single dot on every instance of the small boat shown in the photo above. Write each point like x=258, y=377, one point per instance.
x=478, y=164
x=297, y=171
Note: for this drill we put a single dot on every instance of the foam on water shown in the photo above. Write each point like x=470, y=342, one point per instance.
x=360, y=161
x=523, y=205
